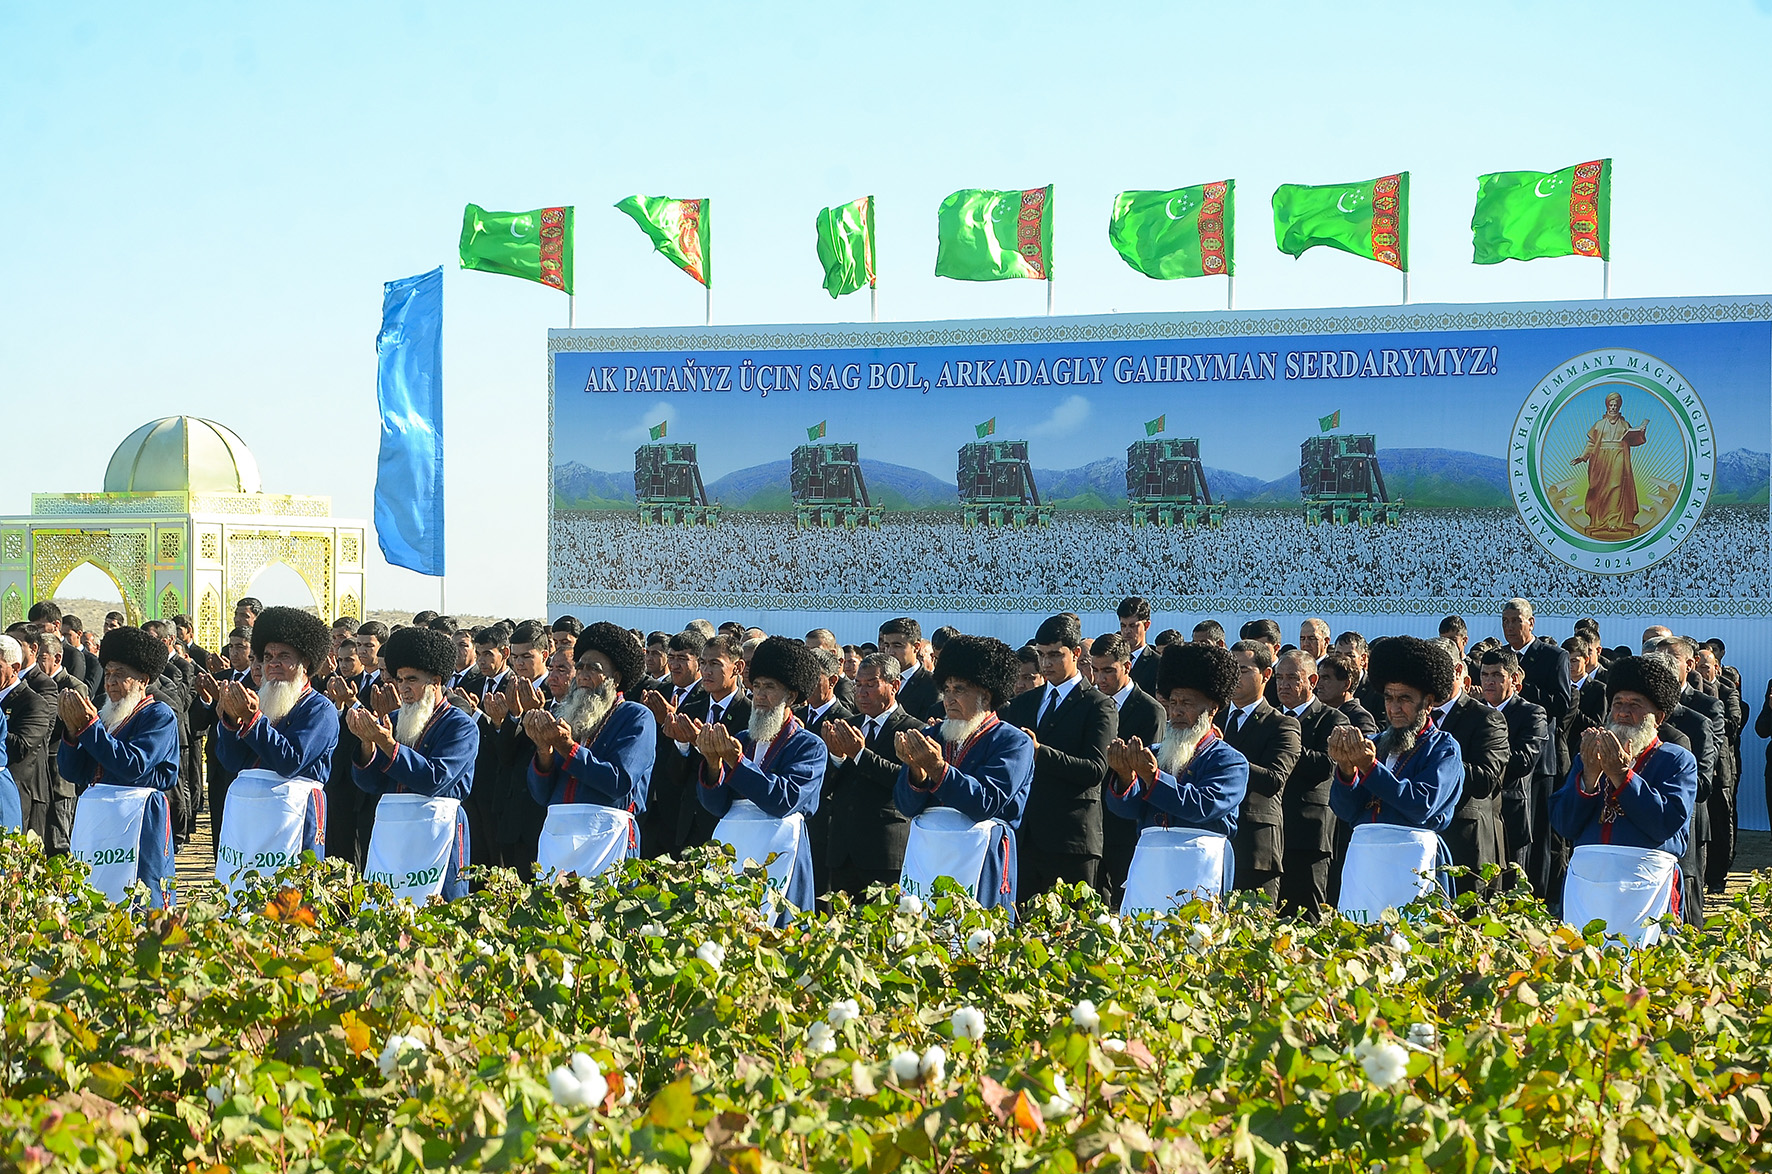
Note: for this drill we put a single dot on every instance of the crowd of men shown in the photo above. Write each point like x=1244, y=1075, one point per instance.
x=1057, y=759
x=1447, y=553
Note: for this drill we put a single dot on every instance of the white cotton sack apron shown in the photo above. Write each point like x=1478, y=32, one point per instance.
x=583, y=838
x=754, y=836
x=1387, y=867
x=262, y=826
x=107, y=835
x=944, y=842
x=1627, y=888
x=410, y=846
x=1172, y=866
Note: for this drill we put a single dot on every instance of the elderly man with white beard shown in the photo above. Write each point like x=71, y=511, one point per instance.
x=278, y=742
x=420, y=761
x=966, y=788
x=123, y=759
x=765, y=784
x=1627, y=806
x=593, y=758
x=1397, y=792
x=1185, y=794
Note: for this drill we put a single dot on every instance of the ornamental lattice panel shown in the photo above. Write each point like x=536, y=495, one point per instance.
x=125, y=555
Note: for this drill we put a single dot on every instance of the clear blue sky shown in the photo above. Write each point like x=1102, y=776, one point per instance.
x=203, y=201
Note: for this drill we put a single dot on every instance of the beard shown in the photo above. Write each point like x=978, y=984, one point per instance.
x=767, y=723
x=112, y=712
x=1400, y=742
x=410, y=720
x=1180, y=743
x=957, y=730
x=584, y=709
x=1635, y=739
x=277, y=698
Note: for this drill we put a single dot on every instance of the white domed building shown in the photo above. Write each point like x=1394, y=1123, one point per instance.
x=183, y=524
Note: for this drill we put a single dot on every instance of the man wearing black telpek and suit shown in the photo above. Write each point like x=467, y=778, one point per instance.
x=1072, y=724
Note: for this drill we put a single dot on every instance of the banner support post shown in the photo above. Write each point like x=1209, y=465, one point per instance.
x=1048, y=296
x=708, y=290
x=873, y=302
x=1405, y=287
x=1605, y=279
x=1230, y=291
x=571, y=319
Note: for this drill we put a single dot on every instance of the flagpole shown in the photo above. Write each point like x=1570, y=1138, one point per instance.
x=708, y=289
x=873, y=302
x=1048, y=297
x=1605, y=279
x=571, y=319
x=1405, y=287
x=1230, y=291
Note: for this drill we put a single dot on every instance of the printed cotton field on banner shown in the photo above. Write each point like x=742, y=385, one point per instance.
x=1378, y=467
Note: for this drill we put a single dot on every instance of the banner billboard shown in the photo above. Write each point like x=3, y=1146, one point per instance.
x=1378, y=467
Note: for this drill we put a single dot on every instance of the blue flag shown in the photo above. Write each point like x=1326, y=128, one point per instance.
x=409, y=393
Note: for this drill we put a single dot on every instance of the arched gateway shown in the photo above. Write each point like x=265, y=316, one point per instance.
x=183, y=525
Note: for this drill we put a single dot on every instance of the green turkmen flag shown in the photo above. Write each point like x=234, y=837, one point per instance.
x=1330, y=422
x=988, y=428
x=1152, y=427
x=679, y=230
x=816, y=432
x=657, y=431
x=1180, y=233
x=846, y=246
x=1524, y=215
x=535, y=245
x=1369, y=219
x=986, y=235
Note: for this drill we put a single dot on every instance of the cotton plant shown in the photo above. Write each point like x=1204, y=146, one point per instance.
x=980, y=942
x=968, y=1023
x=842, y=1011
x=820, y=1039
x=395, y=1051
x=1385, y=1061
x=713, y=953
x=1084, y=1017
x=579, y=1083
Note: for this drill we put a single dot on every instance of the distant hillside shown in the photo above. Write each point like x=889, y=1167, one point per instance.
x=897, y=487
x=1441, y=478
x=1742, y=478
x=578, y=486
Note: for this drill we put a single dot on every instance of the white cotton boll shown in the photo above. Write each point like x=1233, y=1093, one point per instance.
x=820, y=1039
x=1399, y=943
x=1061, y=1104
x=900, y=941
x=979, y=942
x=1395, y=974
x=713, y=953
x=592, y=1087
x=1199, y=938
x=395, y=1049
x=842, y=1011
x=1113, y=1044
x=933, y=1067
x=564, y=1085
x=652, y=929
x=1385, y=1061
x=566, y=979
x=1109, y=922
x=1424, y=1035
x=482, y=948
x=910, y=903
x=905, y=1066
x=968, y=1023
x=1085, y=1016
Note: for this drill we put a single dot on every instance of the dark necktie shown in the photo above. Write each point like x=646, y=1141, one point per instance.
x=1051, y=704
x=872, y=728
x=1235, y=724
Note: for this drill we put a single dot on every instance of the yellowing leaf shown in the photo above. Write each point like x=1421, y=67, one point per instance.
x=357, y=1034
x=1027, y=1114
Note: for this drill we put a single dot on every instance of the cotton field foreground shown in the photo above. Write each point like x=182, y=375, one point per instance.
x=649, y=1021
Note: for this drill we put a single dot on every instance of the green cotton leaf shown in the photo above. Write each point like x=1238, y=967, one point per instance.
x=107, y=1079
x=672, y=1107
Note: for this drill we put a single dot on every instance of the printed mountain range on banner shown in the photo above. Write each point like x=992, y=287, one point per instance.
x=1439, y=478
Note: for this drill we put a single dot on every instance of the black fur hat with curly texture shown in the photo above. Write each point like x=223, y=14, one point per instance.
x=301, y=630
x=1645, y=675
x=1204, y=668
x=136, y=649
x=1412, y=661
x=423, y=649
x=787, y=661
x=618, y=644
x=979, y=660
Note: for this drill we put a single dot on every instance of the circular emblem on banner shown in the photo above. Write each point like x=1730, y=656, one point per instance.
x=1612, y=461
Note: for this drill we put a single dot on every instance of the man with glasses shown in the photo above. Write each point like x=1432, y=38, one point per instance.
x=682, y=693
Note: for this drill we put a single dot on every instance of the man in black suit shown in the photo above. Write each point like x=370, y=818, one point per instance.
x=1313, y=638
x=370, y=636
x=826, y=639
x=1708, y=678
x=1715, y=753
x=30, y=722
x=1134, y=615
x=822, y=706
x=901, y=639
x=1270, y=740
x=1353, y=645
x=1545, y=663
x=1336, y=674
x=1310, y=825
x=1531, y=761
x=1072, y=724
x=62, y=797
x=1703, y=736
x=177, y=688
x=866, y=832
x=235, y=665
x=664, y=795
x=513, y=814
x=1140, y=717
x=47, y=615
x=1474, y=836
x=718, y=701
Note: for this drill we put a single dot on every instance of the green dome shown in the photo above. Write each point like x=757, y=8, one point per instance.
x=182, y=454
